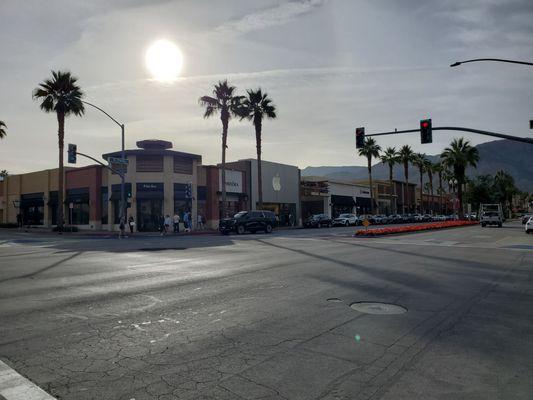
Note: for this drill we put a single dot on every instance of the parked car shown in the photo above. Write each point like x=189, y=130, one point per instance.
x=318, y=221
x=396, y=219
x=427, y=218
x=345, y=220
x=251, y=221
x=525, y=218
x=362, y=217
x=529, y=225
x=384, y=219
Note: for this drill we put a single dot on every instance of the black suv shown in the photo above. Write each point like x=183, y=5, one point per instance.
x=251, y=221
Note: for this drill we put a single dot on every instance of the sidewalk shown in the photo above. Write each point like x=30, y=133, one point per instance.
x=100, y=233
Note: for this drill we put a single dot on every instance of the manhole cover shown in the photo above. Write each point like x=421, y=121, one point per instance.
x=369, y=307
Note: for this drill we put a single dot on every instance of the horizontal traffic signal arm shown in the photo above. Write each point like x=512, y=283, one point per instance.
x=458, y=128
x=101, y=163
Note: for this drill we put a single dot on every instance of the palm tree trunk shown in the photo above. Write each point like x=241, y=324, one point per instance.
x=225, y=119
x=460, y=198
x=258, y=127
x=370, y=184
x=390, y=189
x=430, y=176
x=60, y=184
x=405, y=188
x=440, y=192
x=421, y=191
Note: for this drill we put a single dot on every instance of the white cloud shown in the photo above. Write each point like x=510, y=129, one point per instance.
x=270, y=17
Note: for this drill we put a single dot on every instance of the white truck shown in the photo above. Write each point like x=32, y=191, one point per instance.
x=491, y=214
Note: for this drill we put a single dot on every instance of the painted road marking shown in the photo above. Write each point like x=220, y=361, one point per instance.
x=14, y=386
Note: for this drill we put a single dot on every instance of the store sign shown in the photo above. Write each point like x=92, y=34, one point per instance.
x=233, y=181
x=149, y=187
x=276, y=183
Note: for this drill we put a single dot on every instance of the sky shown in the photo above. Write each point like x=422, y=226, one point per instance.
x=329, y=66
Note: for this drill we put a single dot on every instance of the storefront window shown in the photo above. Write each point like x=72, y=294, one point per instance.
x=32, y=208
x=105, y=203
x=77, y=202
x=79, y=214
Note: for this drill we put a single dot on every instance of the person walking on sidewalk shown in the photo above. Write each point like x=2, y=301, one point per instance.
x=122, y=227
x=186, y=221
x=176, y=222
x=168, y=221
x=200, y=222
x=131, y=223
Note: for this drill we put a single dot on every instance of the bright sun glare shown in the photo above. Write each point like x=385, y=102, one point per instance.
x=164, y=60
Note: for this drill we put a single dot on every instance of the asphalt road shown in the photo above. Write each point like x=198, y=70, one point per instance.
x=269, y=317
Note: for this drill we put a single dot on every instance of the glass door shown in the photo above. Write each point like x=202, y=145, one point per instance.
x=149, y=214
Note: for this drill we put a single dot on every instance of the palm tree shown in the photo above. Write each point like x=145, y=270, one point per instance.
x=256, y=106
x=419, y=160
x=3, y=127
x=458, y=156
x=226, y=103
x=370, y=149
x=390, y=157
x=405, y=156
x=3, y=174
x=437, y=168
x=429, y=168
x=506, y=188
x=61, y=95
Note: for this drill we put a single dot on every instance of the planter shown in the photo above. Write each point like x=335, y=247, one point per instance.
x=412, y=228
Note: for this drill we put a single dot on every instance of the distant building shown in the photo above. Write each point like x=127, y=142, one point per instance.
x=403, y=196
x=333, y=197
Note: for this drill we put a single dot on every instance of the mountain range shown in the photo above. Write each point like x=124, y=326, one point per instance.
x=513, y=157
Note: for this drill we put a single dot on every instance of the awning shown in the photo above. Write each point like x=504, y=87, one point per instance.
x=347, y=201
x=149, y=195
x=363, y=202
x=32, y=200
x=77, y=198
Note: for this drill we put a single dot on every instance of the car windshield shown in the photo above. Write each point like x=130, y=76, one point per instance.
x=240, y=214
x=344, y=216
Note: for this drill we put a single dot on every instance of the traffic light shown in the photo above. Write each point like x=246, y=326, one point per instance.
x=188, y=191
x=359, y=138
x=72, y=151
x=426, y=135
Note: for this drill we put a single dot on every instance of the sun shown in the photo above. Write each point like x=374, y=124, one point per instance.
x=164, y=60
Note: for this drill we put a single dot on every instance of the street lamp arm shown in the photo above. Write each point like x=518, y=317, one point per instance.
x=455, y=64
x=99, y=109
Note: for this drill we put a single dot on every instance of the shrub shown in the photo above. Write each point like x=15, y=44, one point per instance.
x=412, y=228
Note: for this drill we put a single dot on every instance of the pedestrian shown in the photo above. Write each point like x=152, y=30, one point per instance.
x=131, y=223
x=168, y=221
x=186, y=221
x=176, y=222
x=291, y=220
x=200, y=222
x=122, y=227
x=162, y=224
x=19, y=220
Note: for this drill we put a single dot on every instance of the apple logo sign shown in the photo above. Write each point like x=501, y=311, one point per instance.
x=276, y=183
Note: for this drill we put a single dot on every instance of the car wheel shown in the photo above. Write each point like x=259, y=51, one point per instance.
x=268, y=229
x=499, y=225
x=240, y=229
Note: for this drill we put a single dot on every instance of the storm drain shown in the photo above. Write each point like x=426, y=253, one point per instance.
x=369, y=307
x=334, y=300
x=161, y=248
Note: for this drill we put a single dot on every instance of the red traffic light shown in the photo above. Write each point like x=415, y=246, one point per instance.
x=425, y=124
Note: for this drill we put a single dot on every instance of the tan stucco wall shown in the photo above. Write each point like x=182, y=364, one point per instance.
x=33, y=182
x=167, y=177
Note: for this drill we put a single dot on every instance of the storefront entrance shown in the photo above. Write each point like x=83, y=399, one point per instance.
x=149, y=213
x=150, y=198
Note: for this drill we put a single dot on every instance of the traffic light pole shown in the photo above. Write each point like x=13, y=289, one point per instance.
x=458, y=128
x=123, y=156
x=101, y=163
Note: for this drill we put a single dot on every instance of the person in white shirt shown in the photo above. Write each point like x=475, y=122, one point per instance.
x=176, y=221
x=200, y=222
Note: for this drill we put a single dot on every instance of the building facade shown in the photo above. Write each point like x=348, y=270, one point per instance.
x=333, y=197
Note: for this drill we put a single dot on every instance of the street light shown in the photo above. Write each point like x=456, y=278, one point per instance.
x=123, y=156
x=456, y=64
